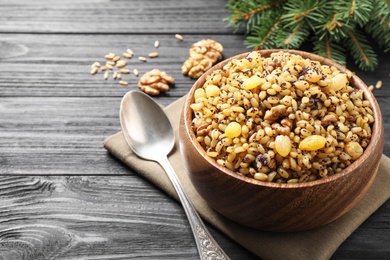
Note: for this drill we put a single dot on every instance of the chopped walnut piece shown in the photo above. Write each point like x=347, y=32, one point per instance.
x=285, y=126
x=203, y=129
x=328, y=119
x=155, y=81
x=195, y=68
x=275, y=112
x=202, y=55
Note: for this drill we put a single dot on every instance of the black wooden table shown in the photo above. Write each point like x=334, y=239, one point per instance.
x=63, y=196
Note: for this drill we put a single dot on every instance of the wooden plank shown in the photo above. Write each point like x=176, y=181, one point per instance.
x=50, y=135
x=57, y=136
x=54, y=116
x=59, y=65
x=91, y=217
x=112, y=17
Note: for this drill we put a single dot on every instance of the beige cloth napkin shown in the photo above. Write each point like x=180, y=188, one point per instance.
x=318, y=243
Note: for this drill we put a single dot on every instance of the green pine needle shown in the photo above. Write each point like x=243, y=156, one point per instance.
x=331, y=50
x=293, y=39
x=361, y=50
x=265, y=35
x=336, y=28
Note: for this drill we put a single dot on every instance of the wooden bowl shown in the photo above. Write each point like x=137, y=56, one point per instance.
x=278, y=206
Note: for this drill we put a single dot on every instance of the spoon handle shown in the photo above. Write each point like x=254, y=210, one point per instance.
x=208, y=248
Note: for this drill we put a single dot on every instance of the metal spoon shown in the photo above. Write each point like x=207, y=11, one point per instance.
x=149, y=134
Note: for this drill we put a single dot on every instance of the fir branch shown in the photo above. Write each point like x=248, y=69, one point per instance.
x=263, y=36
x=361, y=50
x=296, y=11
x=293, y=39
x=379, y=25
x=357, y=12
x=329, y=49
x=249, y=12
x=334, y=27
x=260, y=9
x=294, y=33
x=353, y=7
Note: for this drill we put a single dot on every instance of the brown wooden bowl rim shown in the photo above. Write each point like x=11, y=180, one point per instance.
x=377, y=129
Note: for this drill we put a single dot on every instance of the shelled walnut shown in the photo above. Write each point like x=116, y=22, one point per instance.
x=155, y=81
x=202, y=55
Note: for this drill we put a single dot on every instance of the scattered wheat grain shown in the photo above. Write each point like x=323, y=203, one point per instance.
x=179, y=37
x=94, y=70
x=116, y=58
x=379, y=84
x=129, y=51
x=95, y=65
x=121, y=64
x=123, y=83
x=153, y=54
x=109, y=56
x=143, y=59
x=125, y=71
x=127, y=55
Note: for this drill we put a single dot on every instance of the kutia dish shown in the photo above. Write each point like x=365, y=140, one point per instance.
x=277, y=139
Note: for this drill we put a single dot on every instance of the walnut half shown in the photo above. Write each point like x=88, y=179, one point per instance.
x=154, y=82
x=202, y=55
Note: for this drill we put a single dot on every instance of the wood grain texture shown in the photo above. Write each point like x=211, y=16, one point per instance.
x=89, y=217
x=62, y=195
x=42, y=65
x=116, y=16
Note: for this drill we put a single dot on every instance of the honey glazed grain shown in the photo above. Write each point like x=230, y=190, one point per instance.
x=281, y=118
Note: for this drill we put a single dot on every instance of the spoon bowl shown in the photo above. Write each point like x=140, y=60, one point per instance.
x=145, y=126
x=150, y=135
